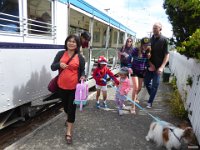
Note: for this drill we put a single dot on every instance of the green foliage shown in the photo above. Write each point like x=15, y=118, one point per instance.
x=177, y=106
x=184, y=15
x=173, y=83
x=189, y=81
x=176, y=103
x=191, y=48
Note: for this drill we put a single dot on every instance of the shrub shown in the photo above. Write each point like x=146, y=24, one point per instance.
x=189, y=81
x=191, y=48
x=176, y=103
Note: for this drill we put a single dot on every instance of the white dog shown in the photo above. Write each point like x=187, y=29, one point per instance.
x=166, y=134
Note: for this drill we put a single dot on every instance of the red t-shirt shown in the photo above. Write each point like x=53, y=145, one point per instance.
x=68, y=78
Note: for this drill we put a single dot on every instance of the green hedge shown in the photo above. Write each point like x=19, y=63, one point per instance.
x=191, y=47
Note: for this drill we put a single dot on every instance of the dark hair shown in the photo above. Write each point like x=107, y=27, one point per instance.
x=86, y=35
x=126, y=45
x=124, y=70
x=76, y=38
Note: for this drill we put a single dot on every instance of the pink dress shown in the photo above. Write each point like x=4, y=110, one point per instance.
x=122, y=91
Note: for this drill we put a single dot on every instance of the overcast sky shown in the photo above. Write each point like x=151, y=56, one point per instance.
x=138, y=15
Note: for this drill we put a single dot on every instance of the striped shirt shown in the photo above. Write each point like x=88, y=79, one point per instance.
x=139, y=64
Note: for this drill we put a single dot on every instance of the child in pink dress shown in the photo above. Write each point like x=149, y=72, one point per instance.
x=123, y=88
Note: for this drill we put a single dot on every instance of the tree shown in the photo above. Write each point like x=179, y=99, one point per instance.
x=184, y=15
x=191, y=48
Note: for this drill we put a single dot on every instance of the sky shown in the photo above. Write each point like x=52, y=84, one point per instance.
x=138, y=15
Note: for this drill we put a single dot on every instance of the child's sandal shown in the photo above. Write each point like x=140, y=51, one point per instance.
x=137, y=101
x=132, y=111
x=68, y=139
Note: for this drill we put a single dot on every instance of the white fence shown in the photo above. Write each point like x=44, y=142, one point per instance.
x=184, y=69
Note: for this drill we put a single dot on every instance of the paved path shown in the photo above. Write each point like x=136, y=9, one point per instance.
x=102, y=129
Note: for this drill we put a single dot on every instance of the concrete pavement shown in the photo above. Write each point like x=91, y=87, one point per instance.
x=99, y=129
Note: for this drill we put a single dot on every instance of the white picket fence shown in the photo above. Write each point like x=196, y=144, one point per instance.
x=183, y=68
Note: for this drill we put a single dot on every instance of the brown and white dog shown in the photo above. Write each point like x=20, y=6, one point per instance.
x=168, y=135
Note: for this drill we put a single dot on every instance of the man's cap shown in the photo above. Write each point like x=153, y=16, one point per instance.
x=145, y=41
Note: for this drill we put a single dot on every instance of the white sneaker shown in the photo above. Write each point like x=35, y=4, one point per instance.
x=149, y=105
x=120, y=112
x=124, y=106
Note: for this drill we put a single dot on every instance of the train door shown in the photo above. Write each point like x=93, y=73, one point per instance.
x=78, y=23
x=99, y=41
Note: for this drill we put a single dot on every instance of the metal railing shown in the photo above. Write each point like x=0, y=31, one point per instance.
x=40, y=28
x=25, y=27
x=11, y=25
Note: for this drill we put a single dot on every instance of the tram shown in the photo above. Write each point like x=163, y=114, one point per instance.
x=31, y=33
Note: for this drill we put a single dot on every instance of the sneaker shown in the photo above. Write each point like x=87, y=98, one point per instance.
x=120, y=112
x=105, y=105
x=124, y=106
x=149, y=105
x=97, y=105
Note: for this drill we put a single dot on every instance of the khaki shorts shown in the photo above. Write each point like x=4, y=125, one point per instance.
x=103, y=88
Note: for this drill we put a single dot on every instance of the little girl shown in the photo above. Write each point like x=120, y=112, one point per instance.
x=100, y=75
x=123, y=88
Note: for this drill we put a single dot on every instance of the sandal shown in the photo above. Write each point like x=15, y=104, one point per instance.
x=68, y=139
x=132, y=111
x=137, y=101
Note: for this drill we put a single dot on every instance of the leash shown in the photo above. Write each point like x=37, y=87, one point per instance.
x=140, y=107
x=179, y=139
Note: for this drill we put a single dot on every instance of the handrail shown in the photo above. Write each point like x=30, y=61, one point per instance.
x=9, y=25
x=9, y=15
x=26, y=26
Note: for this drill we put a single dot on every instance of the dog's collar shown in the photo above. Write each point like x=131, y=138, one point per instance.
x=179, y=139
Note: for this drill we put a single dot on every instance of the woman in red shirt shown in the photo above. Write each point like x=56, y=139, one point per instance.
x=71, y=66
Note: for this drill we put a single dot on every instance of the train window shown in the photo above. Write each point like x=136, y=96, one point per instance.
x=121, y=38
x=96, y=36
x=115, y=37
x=72, y=30
x=39, y=16
x=9, y=16
x=75, y=30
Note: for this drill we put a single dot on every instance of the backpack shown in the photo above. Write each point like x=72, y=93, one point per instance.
x=81, y=94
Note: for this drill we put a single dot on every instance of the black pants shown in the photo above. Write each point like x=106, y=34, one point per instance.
x=67, y=97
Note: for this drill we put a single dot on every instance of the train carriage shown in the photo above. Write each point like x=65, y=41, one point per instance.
x=32, y=32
